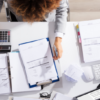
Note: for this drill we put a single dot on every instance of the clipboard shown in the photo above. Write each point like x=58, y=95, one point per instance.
x=76, y=98
x=47, y=81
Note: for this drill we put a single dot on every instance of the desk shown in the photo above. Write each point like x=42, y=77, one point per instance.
x=22, y=32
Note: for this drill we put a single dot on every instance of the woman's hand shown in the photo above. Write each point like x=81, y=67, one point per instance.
x=58, y=46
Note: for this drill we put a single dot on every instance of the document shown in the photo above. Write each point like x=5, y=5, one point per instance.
x=3, y=60
x=23, y=98
x=60, y=96
x=4, y=76
x=73, y=73
x=19, y=80
x=90, y=36
x=38, y=61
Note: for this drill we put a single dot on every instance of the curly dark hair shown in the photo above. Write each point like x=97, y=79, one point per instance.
x=34, y=10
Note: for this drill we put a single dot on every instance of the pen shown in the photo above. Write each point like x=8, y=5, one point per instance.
x=56, y=52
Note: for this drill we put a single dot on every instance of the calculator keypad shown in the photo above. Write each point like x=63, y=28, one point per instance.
x=4, y=36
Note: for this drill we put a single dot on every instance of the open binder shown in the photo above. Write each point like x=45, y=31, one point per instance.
x=29, y=48
x=12, y=75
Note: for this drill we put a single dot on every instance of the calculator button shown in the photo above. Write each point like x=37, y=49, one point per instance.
x=8, y=38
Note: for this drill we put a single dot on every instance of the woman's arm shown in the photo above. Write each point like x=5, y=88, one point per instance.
x=1, y=3
x=60, y=25
x=61, y=17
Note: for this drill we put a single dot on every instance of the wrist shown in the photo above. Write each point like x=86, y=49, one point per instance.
x=58, y=39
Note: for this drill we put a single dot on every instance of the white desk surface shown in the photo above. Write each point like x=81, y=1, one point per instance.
x=23, y=32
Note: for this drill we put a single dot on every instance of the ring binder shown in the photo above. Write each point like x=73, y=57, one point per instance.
x=44, y=82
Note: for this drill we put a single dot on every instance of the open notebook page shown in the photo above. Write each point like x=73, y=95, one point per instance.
x=38, y=61
x=4, y=76
x=19, y=80
x=90, y=35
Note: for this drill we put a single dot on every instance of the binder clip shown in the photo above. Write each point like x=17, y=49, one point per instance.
x=44, y=82
x=45, y=95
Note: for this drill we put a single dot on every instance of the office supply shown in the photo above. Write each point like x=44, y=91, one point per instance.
x=91, y=95
x=38, y=61
x=96, y=71
x=89, y=31
x=56, y=52
x=19, y=80
x=88, y=73
x=4, y=77
x=45, y=95
x=5, y=43
x=73, y=73
x=17, y=77
x=78, y=32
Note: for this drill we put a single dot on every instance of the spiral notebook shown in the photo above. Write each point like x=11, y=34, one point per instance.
x=13, y=80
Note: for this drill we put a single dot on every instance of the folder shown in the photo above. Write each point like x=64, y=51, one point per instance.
x=32, y=61
x=13, y=75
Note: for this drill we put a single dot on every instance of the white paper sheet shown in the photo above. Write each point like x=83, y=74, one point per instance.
x=90, y=36
x=73, y=73
x=19, y=81
x=4, y=76
x=60, y=96
x=3, y=61
x=23, y=98
x=38, y=61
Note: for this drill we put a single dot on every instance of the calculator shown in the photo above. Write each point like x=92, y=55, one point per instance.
x=5, y=43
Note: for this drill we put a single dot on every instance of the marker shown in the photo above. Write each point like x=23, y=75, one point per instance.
x=56, y=52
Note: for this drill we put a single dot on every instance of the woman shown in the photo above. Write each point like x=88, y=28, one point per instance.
x=40, y=10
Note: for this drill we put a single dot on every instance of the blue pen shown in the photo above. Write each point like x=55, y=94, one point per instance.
x=56, y=52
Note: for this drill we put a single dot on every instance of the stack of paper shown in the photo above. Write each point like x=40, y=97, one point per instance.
x=73, y=73
x=4, y=77
x=60, y=96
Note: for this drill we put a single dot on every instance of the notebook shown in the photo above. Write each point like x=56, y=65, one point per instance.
x=90, y=37
x=38, y=61
x=17, y=78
